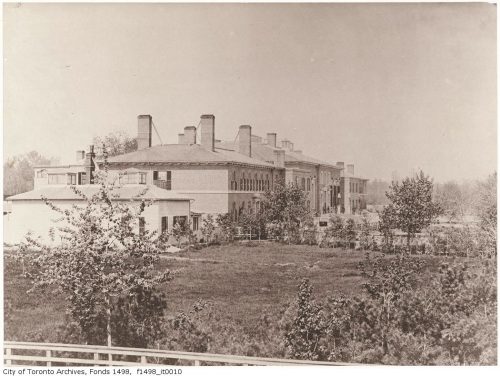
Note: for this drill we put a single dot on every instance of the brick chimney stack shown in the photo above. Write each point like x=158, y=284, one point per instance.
x=288, y=145
x=80, y=154
x=207, y=125
x=245, y=140
x=144, y=131
x=279, y=158
x=350, y=169
x=181, y=138
x=90, y=165
x=190, y=135
x=271, y=139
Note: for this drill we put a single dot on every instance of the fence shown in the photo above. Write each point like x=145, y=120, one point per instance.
x=57, y=354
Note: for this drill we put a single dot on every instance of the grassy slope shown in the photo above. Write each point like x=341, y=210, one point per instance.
x=242, y=282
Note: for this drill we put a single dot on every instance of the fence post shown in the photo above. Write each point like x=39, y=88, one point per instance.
x=8, y=353
x=196, y=362
x=48, y=354
x=96, y=357
x=143, y=359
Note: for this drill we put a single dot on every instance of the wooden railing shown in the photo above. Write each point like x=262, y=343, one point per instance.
x=58, y=354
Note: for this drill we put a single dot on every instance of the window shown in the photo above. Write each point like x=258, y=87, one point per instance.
x=162, y=179
x=195, y=223
x=142, y=225
x=303, y=184
x=180, y=219
x=57, y=179
x=71, y=179
x=164, y=225
x=81, y=178
x=308, y=184
x=142, y=178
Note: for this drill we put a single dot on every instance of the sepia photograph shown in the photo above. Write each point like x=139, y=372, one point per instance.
x=249, y=184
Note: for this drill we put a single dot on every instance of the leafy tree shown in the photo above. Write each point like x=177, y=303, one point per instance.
x=452, y=199
x=306, y=333
x=208, y=228
x=349, y=232
x=18, y=175
x=115, y=143
x=227, y=226
x=285, y=209
x=364, y=237
x=486, y=209
x=252, y=223
x=181, y=230
x=411, y=207
x=103, y=266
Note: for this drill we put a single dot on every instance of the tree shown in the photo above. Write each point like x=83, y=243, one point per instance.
x=227, y=226
x=364, y=237
x=18, y=175
x=103, y=265
x=208, y=228
x=116, y=143
x=306, y=333
x=411, y=207
x=452, y=200
x=486, y=210
x=349, y=232
x=284, y=208
x=182, y=229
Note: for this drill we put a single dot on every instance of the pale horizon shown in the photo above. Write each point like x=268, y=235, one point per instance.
x=388, y=87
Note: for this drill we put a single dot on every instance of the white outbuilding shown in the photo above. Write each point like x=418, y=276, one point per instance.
x=30, y=214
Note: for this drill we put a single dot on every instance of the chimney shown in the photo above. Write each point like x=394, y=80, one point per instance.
x=279, y=158
x=207, y=124
x=245, y=140
x=271, y=139
x=80, y=154
x=350, y=169
x=182, y=139
x=340, y=164
x=144, y=131
x=89, y=165
x=190, y=135
x=288, y=145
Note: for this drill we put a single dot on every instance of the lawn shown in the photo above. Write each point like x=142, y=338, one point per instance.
x=241, y=281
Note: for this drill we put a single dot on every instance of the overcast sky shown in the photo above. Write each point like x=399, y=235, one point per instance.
x=387, y=87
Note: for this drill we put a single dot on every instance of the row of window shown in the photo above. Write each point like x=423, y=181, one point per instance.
x=181, y=219
x=249, y=183
x=245, y=208
x=356, y=187
x=305, y=184
x=61, y=179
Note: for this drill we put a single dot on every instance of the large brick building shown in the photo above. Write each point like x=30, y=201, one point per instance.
x=220, y=176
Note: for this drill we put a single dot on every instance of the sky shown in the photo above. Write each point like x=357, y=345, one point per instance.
x=388, y=87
